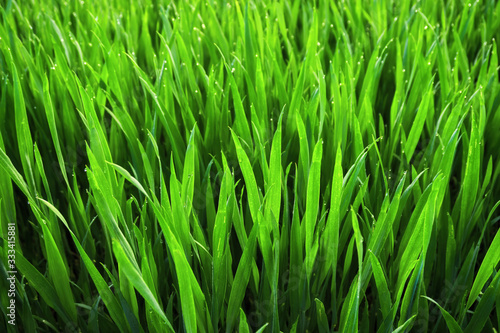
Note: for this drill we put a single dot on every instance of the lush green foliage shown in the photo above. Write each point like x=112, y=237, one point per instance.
x=207, y=166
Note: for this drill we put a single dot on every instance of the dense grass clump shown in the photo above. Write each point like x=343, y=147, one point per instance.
x=265, y=166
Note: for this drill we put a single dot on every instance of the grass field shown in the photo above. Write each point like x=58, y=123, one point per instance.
x=250, y=166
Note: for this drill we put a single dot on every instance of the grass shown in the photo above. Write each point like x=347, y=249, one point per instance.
x=260, y=166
